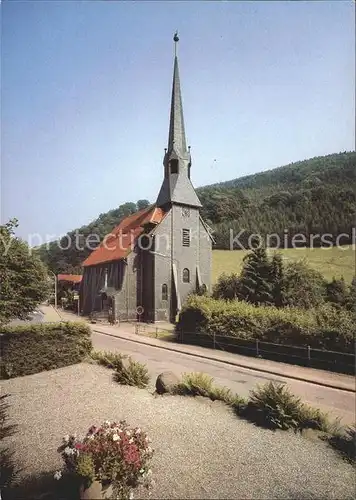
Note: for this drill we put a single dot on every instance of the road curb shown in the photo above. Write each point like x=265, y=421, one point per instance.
x=232, y=363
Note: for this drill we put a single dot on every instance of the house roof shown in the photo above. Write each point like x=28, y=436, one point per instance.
x=72, y=278
x=120, y=242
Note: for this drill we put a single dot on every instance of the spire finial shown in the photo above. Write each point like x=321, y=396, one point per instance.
x=176, y=40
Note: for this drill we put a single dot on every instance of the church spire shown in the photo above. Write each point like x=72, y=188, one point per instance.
x=177, y=187
x=176, y=139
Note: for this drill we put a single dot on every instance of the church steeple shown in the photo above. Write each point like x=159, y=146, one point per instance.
x=176, y=138
x=176, y=186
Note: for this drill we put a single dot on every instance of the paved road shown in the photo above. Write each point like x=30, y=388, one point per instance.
x=240, y=380
x=35, y=317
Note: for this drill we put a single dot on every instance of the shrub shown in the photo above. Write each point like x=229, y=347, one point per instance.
x=29, y=349
x=336, y=292
x=322, y=328
x=113, y=454
x=201, y=384
x=227, y=287
x=108, y=359
x=344, y=442
x=8, y=467
x=195, y=384
x=127, y=371
x=130, y=372
x=351, y=299
x=274, y=406
x=304, y=287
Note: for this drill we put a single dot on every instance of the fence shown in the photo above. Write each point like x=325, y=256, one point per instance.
x=299, y=355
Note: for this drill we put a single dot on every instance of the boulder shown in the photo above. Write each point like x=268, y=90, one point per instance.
x=166, y=382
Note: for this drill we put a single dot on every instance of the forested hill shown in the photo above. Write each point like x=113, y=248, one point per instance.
x=314, y=196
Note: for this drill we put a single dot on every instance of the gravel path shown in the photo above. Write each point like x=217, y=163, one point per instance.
x=201, y=449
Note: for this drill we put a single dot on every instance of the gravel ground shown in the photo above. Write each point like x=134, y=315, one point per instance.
x=201, y=449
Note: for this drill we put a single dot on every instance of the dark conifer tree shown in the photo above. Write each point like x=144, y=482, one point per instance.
x=255, y=280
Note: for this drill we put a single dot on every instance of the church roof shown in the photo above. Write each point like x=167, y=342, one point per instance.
x=121, y=241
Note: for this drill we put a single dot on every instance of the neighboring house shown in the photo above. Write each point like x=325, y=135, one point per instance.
x=71, y=281
x=157, y=256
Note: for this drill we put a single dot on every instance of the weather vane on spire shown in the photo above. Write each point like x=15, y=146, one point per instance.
x=176, y=40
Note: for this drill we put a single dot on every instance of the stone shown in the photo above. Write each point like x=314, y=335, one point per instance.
x=166, y=382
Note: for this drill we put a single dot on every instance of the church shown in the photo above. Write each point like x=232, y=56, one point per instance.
x=148, y=265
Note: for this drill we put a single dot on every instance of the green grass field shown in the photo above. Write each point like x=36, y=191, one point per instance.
x=335, y=261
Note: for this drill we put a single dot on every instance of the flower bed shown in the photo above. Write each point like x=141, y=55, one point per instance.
x=113, y=454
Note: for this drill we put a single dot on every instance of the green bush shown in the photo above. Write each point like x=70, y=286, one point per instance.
x=201, y=384
x=130, y=372
x=322, y=328
x=29, y=349
x=195, y=384
x=127, y=371
x=274, y=406
x=9, y=468
x=108, y=359
x=344, y=442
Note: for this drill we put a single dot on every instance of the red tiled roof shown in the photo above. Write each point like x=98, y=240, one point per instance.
x=73, y=278
x=119, y=243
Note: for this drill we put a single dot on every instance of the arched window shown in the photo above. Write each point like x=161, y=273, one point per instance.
x=186, y=275
x=164, y=292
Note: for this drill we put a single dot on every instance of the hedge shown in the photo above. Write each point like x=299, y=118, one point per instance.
x=29, y=349
x=321, y=328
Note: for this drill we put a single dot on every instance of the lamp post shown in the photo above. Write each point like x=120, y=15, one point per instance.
x=55, y=289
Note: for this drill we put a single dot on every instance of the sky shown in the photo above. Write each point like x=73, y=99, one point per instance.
x=85, y=95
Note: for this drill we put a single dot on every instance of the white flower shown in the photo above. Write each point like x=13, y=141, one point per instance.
x=106, y=422
x=115, y=437
x=57, y=475
x=131, y=440
x=68, y=451
x=142, y=471
x=128, y=433
x=65, y=438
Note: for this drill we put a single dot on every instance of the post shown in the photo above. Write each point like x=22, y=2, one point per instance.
x=78, y=304
x=55, y=292
x=156, y=332
x=309, y=353
x=257, y=348
x=214, y=340
x=55, y=289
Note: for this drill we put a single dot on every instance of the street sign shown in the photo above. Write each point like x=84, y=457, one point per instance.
x=139, y=310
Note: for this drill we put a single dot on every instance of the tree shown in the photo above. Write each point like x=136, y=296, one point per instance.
x=304, y=287
x=255, y=279
x=142, y=204
x=23, y=277
x=277, y=280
